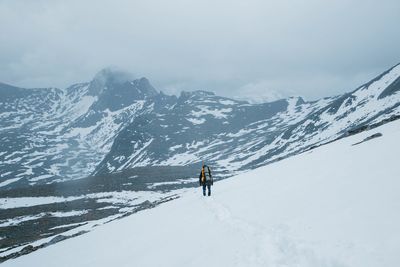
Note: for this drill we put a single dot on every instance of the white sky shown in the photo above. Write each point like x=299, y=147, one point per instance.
x=250, y=48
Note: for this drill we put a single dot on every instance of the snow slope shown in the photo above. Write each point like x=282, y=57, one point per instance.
x=336, y=205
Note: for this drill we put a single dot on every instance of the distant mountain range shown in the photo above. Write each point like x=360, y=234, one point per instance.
x=115, y=123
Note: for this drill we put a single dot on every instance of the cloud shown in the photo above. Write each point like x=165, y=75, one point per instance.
x=260, y=92
x=310, y=48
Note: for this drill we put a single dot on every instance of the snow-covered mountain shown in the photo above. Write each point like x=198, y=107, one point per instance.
x=119, y=129
x=115, y=122
x=52, y=134
x=301, y=211
x=238, y=136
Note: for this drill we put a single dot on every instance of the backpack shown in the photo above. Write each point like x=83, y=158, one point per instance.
x=205, y=176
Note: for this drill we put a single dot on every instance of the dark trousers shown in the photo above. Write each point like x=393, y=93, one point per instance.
x=204, y=189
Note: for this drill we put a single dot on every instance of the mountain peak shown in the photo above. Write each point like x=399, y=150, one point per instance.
x=117, y=89
x=108, y=77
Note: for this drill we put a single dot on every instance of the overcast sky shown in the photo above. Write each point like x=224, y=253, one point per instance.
x=249, y=48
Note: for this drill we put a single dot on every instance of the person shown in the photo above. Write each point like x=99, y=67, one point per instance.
x=205, y=179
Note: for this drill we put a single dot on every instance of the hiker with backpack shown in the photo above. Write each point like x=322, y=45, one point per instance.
x=205, y=179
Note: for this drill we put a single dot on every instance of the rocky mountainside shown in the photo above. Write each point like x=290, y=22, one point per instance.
x=237, y=136
x=116, y=122
x=51, y=135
